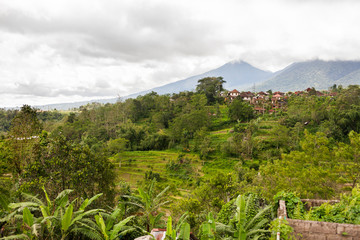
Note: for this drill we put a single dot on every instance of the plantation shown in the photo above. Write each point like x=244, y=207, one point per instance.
x=190, y=162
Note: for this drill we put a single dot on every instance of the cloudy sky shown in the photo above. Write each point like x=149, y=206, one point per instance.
x=74, y=50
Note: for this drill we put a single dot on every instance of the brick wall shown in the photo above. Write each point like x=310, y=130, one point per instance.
x=314, y=230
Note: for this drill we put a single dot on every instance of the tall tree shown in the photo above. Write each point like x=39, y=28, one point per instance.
x=24, y=134
x=211, y=87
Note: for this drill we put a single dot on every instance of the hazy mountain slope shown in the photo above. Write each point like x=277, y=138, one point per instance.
x=350, y=79
x=318, y=74
x=239, y=75
x=71, y=105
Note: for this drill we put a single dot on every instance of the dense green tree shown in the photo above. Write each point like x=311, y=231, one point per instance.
x=62, y=164
x=211, y=87
x=133, y=133
x=348, y=155
x=311, y=172
x=184, y=126
x=23, y=136
x=240, y=110
x=117, y=145
x=198, y=101
x=155, y=141
x=280, y=136
x=6, y=116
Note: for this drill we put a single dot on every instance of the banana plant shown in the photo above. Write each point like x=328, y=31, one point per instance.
x=109, y=230
x=208, y=228
x=182, y=227
x=170, y=232
x=246, y=225
x=71, y=220
x=56, y=217
x=29, y=227
x=184, y=232
x=148, y=204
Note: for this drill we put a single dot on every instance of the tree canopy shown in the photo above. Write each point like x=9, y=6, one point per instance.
x=211, y=87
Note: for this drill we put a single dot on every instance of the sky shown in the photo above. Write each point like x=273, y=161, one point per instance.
x=77, y=50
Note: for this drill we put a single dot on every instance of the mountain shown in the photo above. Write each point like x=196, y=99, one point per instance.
x=319, y=74
x=242, y=76
x=239, y=75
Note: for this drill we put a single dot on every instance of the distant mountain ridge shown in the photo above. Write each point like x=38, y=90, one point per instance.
x=318, y=74
x=242, y=76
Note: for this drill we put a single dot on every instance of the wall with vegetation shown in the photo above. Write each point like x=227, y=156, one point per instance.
x=310, y=230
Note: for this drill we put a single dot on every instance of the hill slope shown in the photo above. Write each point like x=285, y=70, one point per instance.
x=318, y=74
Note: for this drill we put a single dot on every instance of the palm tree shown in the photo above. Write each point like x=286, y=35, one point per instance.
x=248, y=223
x=148, y=204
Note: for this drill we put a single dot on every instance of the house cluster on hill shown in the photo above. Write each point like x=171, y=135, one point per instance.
x=271, y=102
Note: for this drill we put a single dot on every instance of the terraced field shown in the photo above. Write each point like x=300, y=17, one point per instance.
x=131, y=166
x=134, y=164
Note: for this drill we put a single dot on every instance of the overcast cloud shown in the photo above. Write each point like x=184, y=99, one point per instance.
x=75, y=50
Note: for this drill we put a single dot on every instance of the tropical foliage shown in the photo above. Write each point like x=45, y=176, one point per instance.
x=156, y=156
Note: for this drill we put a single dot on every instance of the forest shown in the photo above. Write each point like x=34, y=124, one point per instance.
x=200, y=164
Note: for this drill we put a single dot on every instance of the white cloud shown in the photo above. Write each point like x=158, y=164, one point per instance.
x=54, y=51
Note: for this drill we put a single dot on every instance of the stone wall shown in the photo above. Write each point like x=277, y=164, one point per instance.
x=311, y=230
x=314, y=230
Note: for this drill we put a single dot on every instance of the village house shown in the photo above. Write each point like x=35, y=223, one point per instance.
x=276, y=98
x=247, y=96
x=260, y=97
x=233, y=94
